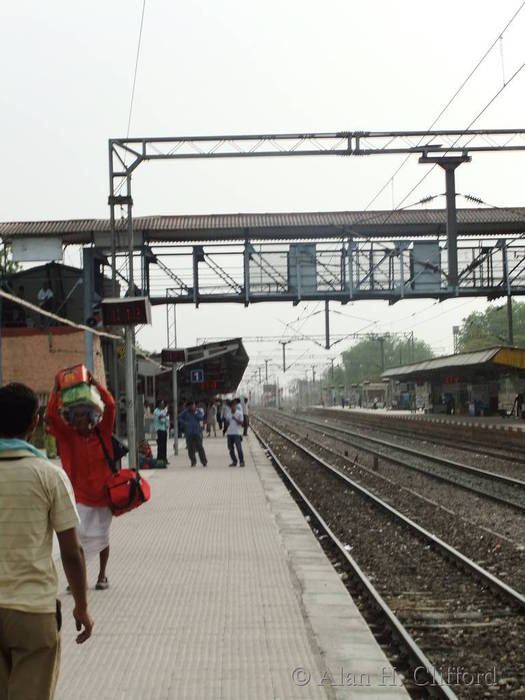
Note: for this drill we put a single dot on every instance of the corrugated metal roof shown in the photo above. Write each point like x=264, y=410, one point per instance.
x=234, y=225
x=464, y=359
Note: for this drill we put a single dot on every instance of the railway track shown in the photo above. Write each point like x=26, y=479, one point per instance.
x=509, y=445
x=494, y=537
x=453, y=610
x=498, y=487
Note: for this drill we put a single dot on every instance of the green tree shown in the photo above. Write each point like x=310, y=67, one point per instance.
x=489, y=328
x=7, y=266
x=365, y=360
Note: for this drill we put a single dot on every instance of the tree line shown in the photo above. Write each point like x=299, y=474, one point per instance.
x=366, y=360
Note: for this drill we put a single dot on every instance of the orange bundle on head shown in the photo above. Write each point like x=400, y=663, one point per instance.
x=76, y=389
x=71, y=376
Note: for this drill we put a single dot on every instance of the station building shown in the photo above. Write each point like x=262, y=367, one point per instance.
x=34, y=348
x=478, y=383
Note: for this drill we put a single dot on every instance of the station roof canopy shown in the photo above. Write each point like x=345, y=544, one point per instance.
x=275, y=226
x=223, y=364
x=508, y=357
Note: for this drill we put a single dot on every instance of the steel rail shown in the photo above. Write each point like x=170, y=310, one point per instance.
x=466, y=445
x=415, y=654
x=447, y=550
x=414, y=467
x=509, y=480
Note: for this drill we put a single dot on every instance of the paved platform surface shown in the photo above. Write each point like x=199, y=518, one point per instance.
x=220, y=591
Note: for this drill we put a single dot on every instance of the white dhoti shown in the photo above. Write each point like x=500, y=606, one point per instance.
x=93, y=530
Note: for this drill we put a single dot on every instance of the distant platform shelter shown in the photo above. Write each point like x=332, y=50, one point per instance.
x=210, y=370
x=481, y=382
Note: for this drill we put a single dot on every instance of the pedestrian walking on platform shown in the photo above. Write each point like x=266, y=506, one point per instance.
x=79, y=441
x=234, y=434
x=148, y=420
x=191, y=419
x=245, y=413
x=36, y=498
x=218, y=406
x=226, y=415
x=161, y=426
x=211, y=420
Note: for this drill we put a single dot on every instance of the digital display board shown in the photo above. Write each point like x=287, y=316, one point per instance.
x=129, y=311
x=172, y=356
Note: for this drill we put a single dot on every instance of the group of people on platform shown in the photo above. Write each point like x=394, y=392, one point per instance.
x=231, y=417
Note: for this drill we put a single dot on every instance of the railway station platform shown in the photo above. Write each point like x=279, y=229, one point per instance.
x=490, y=422
x=220, y=591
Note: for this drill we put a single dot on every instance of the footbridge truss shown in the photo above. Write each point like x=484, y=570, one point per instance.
x=339, y=256
x=347, y=266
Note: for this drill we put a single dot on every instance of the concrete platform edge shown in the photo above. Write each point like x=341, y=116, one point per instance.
x=341, y=640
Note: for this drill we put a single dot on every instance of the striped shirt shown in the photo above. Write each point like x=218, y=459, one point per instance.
x=36, y=498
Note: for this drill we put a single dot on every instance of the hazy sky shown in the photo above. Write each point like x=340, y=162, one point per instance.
x=253, y=67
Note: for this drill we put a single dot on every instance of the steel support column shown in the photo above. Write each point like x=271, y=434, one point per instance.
x=175, y=410
x=284, y=343
x=131, y=380
x=351, y=248
x=198, y=256
x=114, y=292
x=171, y=328
x=247, y=253
x=452, y=226
x=449, y=165
x=88, y=278
x=510, y=324
x=327, y=324
x=382, y=347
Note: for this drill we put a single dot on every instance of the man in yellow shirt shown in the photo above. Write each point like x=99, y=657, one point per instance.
x=36, y=499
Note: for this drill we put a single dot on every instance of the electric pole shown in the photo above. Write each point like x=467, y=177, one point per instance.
x=327, y=324
x=510, y=325
x=284, y=343
x=382, y=347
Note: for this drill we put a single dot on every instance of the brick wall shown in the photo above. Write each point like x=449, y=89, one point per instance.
x=33, y=356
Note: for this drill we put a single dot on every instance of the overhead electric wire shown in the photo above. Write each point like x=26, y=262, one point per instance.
x=451, y=100
x=132, y=98
x=447, y=311
x=483, y=110
x=136, y=68
x=492, y=99
x=428, y=172
x=479, y=200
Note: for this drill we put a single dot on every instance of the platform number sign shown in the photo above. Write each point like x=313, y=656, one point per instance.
x=196, y=376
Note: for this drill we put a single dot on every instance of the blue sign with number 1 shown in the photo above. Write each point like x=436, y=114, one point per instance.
x=196, y=376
